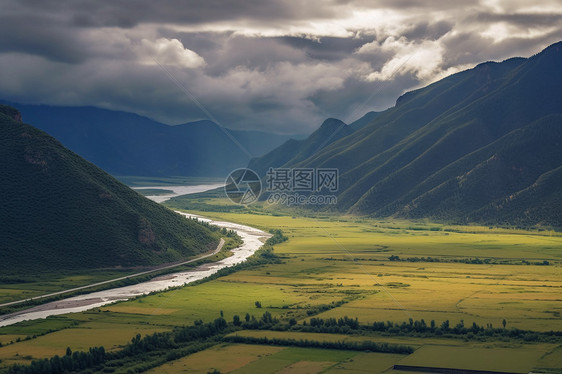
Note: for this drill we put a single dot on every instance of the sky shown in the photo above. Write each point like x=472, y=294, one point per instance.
x=275, y=65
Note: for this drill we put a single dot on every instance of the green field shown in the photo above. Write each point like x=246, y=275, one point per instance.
x=242, y=358
x=512, y=360
x=476, y=274
x=440, y=352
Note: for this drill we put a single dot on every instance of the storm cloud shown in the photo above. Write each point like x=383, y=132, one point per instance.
x=280, y=65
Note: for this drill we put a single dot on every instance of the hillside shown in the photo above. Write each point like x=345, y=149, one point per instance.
x=294, y=151
x=364, y=121
x=61, y=212
x=482, y=145
x=127, y=144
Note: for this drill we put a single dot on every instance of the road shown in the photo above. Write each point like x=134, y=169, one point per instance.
x=217, y=250
x=252, y=241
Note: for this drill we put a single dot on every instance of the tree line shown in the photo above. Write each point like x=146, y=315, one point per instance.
x=364, y=346
x=143, y=353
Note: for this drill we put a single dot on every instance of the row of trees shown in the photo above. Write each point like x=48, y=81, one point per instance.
x=476, y=260
x=348, y=325
x=153, y=350
x=70, y=362
x=364, y=346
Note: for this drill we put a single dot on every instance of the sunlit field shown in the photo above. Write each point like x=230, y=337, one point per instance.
x=375, y=271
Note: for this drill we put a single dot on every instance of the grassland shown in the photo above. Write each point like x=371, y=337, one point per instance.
x=242, y=358
x=331, y=261
x=34, y=290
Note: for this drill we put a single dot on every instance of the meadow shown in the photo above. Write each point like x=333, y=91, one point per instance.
x=332, y=267
x=243, y=358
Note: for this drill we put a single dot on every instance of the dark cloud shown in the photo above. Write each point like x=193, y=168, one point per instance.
x=250, y=52
x=275, y=65
x=39, y=36
x=469, y=48
x=127, y=14
x=521, y=19
x=325, y=48
x=358, y=97
x=428, y=30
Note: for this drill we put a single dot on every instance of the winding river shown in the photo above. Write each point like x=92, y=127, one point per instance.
x=253, y=239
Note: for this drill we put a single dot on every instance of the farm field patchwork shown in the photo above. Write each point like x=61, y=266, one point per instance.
x=375, y=271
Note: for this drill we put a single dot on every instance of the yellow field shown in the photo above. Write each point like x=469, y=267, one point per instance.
x=328, y=261
x=440, y=352
x=512, y=360
x=87, y=335
x=225, y=358
x=367, y=363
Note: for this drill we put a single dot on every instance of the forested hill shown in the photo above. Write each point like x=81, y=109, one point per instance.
x=60, y=212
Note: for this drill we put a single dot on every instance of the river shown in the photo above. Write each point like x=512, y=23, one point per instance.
x=252, y=237
x=178, y=190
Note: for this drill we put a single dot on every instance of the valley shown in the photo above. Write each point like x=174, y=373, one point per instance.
x=424, y=237
x=252, y=240
x=387, y=271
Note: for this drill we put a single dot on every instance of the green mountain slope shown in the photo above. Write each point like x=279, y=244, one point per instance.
x=364, y=121
x=294, y=151
x=458, y=148
x=61, y=212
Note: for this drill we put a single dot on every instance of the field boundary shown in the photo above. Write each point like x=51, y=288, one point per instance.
x=430, y=369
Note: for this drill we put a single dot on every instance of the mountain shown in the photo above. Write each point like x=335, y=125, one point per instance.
x=294, y=151
x=61, y=212
x=127, y=144
x=483, y=145
x=363, y=121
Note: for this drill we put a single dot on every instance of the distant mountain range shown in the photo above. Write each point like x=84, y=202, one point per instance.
x=61, y=212
x=294, y=151
x=126, y=144
x=483, y=145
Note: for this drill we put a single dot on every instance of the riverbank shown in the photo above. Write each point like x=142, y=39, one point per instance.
x=252, y=241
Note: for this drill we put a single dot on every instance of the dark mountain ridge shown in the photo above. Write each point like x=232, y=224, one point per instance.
x=127, y=144
x=472, y=147
x=294, y=151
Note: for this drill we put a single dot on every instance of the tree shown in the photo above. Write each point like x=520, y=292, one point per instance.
x=267, y=318
x=220, y=323
x=68, y=351
x=504, y=323
x=258, y=304
x=236, y=320
x=247, y=317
